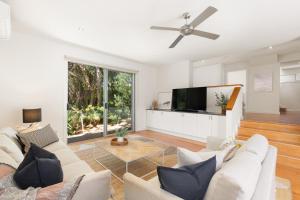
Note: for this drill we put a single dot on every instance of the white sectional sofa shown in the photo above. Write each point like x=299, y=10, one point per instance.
x=249, y=175
x=94, y=186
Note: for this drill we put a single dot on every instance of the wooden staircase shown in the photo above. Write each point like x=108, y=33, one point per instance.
x=286, y=138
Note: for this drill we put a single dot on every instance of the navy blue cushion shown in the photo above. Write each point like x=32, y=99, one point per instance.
x=187, y=182
x=39, y=168
x=35, y=152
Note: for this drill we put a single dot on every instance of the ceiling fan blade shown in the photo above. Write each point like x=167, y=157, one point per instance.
x=203, y=16
x=164, y=28
x=176, y=41
x=205, y=34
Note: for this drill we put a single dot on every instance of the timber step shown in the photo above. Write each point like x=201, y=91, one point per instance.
x=286, y=149
x=272, y=135
x=287, y=128
x=286, y=138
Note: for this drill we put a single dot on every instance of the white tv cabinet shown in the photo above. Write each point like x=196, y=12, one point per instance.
x=196, y=126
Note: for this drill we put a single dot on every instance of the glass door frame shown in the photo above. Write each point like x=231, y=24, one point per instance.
x=105, y=100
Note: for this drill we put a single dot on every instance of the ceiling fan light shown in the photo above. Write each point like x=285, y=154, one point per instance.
x=5, y=21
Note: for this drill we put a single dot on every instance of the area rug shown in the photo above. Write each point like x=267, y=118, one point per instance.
x=142, y=166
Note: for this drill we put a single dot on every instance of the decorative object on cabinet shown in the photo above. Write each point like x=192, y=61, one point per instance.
x=221, y=100
x=154, y=105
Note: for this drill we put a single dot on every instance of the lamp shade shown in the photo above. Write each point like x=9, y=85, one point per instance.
x=32, y=115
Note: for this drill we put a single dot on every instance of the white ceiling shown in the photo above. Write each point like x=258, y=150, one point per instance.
x=122, y=27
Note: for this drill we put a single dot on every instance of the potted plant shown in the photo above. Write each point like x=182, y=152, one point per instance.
x=221, y=100
x=121, y=134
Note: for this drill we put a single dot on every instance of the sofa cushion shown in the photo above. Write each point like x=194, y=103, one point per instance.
x=66, y=156
x=5, y=158
x=214, y=143
x=237, y=179
x=187, y=157
x=56, y=146
x=76, y=169
x=12, y=134
x=41, y=137
x=258, y=145
x=187, y=182
x=7, y=145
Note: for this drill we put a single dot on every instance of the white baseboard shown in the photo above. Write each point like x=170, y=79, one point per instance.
x=292, y=109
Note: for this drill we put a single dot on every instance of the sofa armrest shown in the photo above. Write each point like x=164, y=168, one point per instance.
x=94, y=186
x=136, y=188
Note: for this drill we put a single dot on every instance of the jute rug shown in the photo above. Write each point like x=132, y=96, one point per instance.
x=143, y=166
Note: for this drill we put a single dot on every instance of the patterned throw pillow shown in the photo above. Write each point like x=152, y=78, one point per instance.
x=41, y=137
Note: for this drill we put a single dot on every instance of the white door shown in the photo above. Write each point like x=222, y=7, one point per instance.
x=238, y=77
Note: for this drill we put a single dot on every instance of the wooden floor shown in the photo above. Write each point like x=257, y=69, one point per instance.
x=285, y=117
x=283, y=170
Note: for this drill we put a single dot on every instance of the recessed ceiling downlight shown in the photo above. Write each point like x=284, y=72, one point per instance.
x=5, y=22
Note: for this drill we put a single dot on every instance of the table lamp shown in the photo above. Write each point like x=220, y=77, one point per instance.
x=32, y=116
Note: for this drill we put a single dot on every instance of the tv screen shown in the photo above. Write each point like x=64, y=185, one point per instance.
x=189, y=99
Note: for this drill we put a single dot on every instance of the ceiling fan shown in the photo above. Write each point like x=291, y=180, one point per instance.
x=189, y=29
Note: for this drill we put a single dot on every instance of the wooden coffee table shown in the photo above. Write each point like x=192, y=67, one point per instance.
x=135, y=150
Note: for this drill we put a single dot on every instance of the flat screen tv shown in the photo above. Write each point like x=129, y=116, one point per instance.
x=189, y=99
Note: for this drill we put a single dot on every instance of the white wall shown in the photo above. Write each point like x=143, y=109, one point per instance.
x=290, y=91
x=174, y=76
x=208, y=75
x=33, y=73
x=260, y=102
x=186, y=74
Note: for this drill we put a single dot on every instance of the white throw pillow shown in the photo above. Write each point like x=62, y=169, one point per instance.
x=187, y=157
x=5, y=158
x=12, y=134
x=236, y=180
x=257, y=145
x=214, y=143
x=8, y=146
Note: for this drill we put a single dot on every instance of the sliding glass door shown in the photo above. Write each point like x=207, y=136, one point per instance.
x=100, y=101
x=119, y=101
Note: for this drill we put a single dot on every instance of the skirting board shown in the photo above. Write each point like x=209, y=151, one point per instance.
x=177, y=134
x=293, y=110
